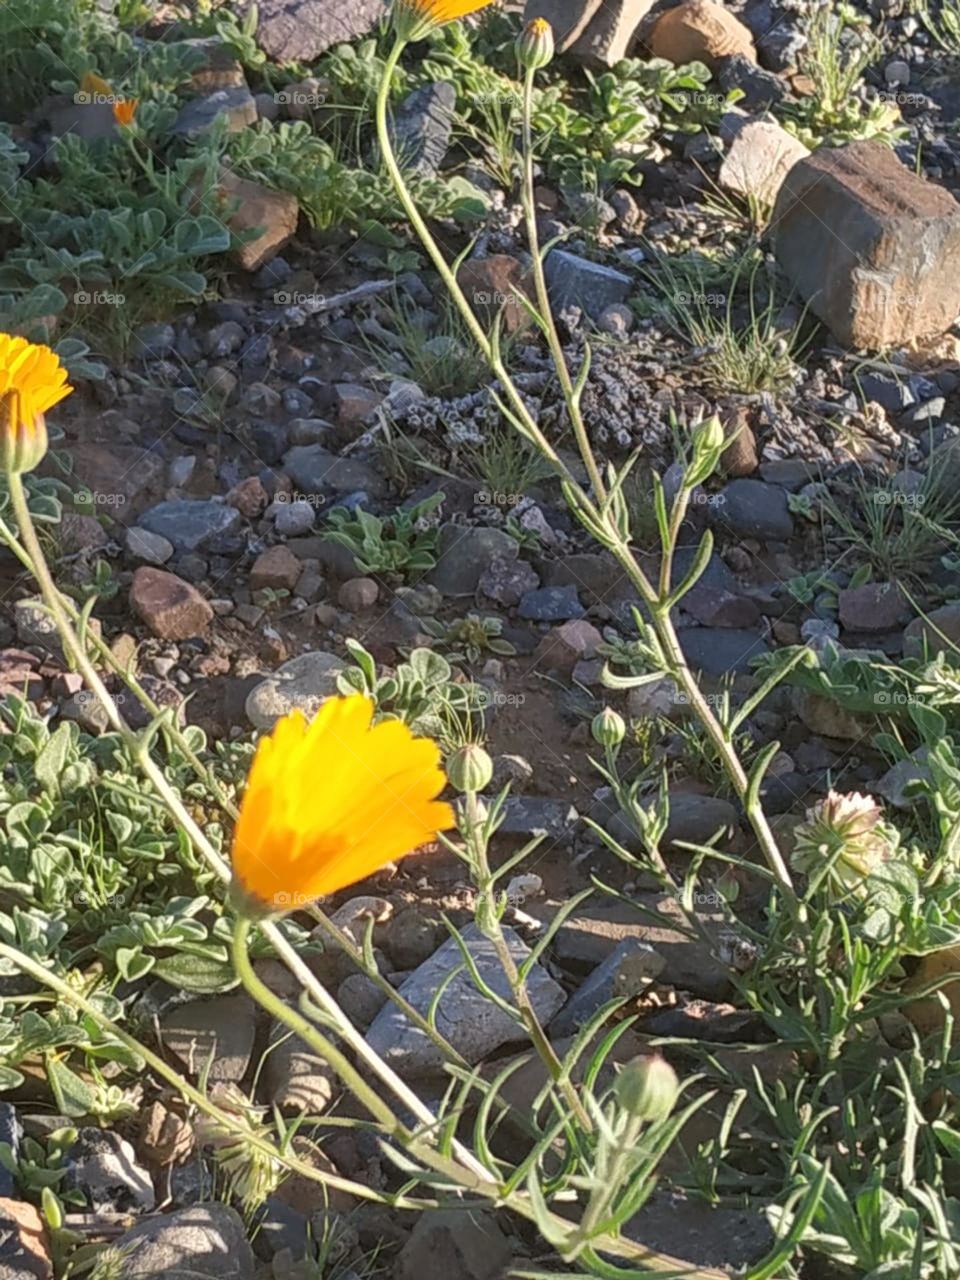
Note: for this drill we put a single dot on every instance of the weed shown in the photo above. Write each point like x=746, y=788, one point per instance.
x=728, y=312
x=471, y=637
x=438, y=356
x=839, y=49
x=401, y=544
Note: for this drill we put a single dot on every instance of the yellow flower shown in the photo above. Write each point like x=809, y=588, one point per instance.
x=125, y=110
x=535, y=45
x=413, y=19
x=32, y=380
x=329, y=803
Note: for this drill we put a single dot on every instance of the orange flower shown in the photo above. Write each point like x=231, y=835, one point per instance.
x=413, y=19
x=124, y=110
x=329, y=803
x=32, y=380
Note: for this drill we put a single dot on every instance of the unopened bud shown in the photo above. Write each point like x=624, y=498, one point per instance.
x=535, y=45
x=647, y=1088
x=709, y=435
x=608, y=728
x=470, y=768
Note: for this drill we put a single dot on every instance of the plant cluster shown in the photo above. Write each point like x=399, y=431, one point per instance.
x=402, y=544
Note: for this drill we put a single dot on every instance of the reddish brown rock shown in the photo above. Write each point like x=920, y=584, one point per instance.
x=249, y=497
x=562, y=648
x=25, y=1248
x=739, y=458
x=271, y=214
x=276, y=569
x=494, y=285
x=700, y=31
x=356, y=405
x=171, y=608
x=871, y=246
x=874, y=606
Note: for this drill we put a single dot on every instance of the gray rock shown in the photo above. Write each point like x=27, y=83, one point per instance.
x=151, y=548
x=309, y=430
x=753, y=509
x=280, y=1229
x=577, y=282
x=465, y=554
x=292, y=519
x=506, y=580
x=938, y=632
x=306, y=681
x=589, y=937
x=154, y=341
x=190, y=526
x=761, y=89
x=314, y=470
x=104, y=1167
x=361, y=999
x=202, y=1240
x=300, y=30
x=893, y=394
x=532, y=816
x=294, y=1077
x=627, y=971
x=219, y=1030
x=422, y=125
x=703, y=1235
x=412, y=938
x=35, y=626
x=475, y=1026
x=198, y=115
x=448, y=1243
x=551, y=604
x=716, y=651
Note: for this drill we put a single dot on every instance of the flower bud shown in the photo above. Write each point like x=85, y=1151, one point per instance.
x=608, y=728
x=708, y=435
x=470, y=768
x=647, y=1088
x=535, y=45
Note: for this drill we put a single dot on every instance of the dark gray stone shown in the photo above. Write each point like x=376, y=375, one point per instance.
x=314, y=470
x=190, y=525
x=300, y=30
x=505, y=581
x=421, y=127
x=577, y=282
x=465, y=554
x=104, y=1167
x=753, y=509
x=551, y=604
x=716, y=651
x=761, y=89
x=532, y=816
x=198, y=115
x=625, y=973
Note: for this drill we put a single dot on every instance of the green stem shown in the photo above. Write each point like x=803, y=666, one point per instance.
x=538, y=1036
x=320, y=1044
x=543, y=298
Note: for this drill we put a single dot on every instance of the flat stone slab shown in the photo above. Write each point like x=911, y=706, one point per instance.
x=474, y=1025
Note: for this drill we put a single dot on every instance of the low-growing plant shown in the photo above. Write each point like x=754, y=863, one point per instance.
x=840, y=47
x=470, y=638
x=422, y=692
x=402, y=544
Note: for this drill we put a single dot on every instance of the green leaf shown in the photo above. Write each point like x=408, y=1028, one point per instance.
x=202, y=974
x=52, y=760
x=73, y=1096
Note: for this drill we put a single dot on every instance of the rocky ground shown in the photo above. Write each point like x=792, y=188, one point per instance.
x=203, y=470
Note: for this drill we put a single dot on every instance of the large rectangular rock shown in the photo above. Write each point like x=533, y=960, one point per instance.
x=872, y=247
